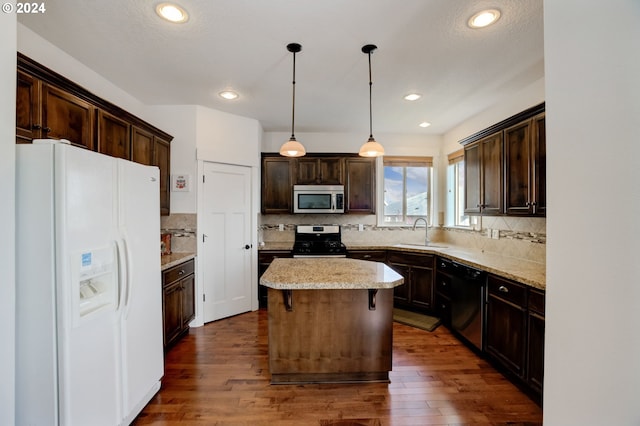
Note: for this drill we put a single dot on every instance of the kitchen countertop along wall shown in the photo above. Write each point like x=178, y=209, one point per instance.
x=170, y=260
x=520, y=270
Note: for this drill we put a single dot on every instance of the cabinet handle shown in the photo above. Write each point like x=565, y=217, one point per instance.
x=36, y=127
x=503, y=289
x=366, y=256
x=47, y=129
x=444, y=283
x=181, y=272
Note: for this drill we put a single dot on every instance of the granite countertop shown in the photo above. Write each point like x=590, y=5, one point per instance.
x=520, y=270
x=329, y=274
x=170, y=260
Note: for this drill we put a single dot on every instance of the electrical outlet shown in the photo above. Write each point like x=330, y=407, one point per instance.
x=495, y=234
x=360, y=227
x=488, y=232
x=281, y=227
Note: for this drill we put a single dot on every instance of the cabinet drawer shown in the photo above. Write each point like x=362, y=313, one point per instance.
x=508, y=290
x=536, y=301
x=443, y=284
x=372, y=255
x=267, y=256
x=177, y=272
x=412, y=259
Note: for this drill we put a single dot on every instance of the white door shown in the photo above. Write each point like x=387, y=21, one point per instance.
x=139, y=224
x=226, y=226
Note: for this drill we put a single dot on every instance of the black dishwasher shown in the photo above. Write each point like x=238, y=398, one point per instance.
x=465, y=299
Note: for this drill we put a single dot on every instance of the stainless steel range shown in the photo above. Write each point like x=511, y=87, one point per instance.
x=318, y=241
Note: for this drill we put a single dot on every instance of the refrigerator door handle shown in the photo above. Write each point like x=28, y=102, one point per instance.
x=120, y=271
x=127, y=274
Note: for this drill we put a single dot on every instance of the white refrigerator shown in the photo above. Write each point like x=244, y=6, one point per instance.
x=88, y=286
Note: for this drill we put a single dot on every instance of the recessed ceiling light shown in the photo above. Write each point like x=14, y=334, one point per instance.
x=424, y=124
x=228, y=95
x=172, y=12
x=412, y=97
x=484, y=18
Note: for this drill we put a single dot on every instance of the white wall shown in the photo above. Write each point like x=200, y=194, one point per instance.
x=527, y=97
x=180, y=122
x=42, y=51
x=7, y=216
x=592, y=358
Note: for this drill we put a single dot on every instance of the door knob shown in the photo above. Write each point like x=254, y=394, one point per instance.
x=247, y=247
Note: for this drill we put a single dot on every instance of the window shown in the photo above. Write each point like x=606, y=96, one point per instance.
x=407, y=189
x=456, y=189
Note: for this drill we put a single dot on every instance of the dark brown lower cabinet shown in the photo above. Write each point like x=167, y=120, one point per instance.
x=178, y=301
x=417, y=269
x=265, y=257
x=515, y=332
x=535, y=347
x=507, y=324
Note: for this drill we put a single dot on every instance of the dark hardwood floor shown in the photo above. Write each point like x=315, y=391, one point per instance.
x=219, y=375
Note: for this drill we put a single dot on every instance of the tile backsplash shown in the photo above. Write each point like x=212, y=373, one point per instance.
x=520, y=237
x=182, y=227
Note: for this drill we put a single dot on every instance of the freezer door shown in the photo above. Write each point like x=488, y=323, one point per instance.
x=139, y=223
x=86, y=268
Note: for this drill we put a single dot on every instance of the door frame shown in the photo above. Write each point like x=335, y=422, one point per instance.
x=206, y=156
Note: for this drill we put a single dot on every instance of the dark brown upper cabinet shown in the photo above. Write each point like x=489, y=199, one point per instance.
x=483, y=174
x=114, y=136
x=49, y=105
x=277, y=184
x=505, y=166
x=319, y=171
x=525, y=167
x=360, y=187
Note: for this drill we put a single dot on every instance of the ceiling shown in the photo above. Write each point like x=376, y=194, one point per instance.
x=424, y=46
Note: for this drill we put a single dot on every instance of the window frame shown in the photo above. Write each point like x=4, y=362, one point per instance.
x=404, y=161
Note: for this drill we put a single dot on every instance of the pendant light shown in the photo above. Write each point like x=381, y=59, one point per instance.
x=371, y=148
x=293, y=148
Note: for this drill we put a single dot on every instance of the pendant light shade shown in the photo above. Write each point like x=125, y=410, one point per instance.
x=293, y=148
x=371, y=148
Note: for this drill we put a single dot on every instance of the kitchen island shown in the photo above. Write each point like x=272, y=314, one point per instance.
x=330, y=320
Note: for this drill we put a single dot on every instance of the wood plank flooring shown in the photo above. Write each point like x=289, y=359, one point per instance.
x=219, y=375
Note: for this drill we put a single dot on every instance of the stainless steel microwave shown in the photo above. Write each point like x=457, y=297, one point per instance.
x=318, y=198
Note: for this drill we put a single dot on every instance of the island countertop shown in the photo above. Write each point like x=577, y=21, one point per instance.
x=329, y=273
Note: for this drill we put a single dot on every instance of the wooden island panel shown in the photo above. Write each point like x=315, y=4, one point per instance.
x=330, y=320
x=330, y=336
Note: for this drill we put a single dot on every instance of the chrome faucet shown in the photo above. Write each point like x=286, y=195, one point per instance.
x=426, y=229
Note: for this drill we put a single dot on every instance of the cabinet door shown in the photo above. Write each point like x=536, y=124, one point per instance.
x=402, y=293
x=141, y=146
x=472, y=185
x=277, y=189
x=188, y=300
x=161, y=158
x=539, y=166
x=306, y=171
x=65, y=116
x=422, y=287
x=535, y=352
x=172, y=311
x=319, y=171
x=491, y=174
x=28, y=109
x=331, y=171
x=360, y=185
x=518, y=188
x=506, y=333
x=113, y=135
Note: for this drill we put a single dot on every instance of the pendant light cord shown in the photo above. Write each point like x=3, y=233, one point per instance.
x=293, y=104
x=370, y=107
